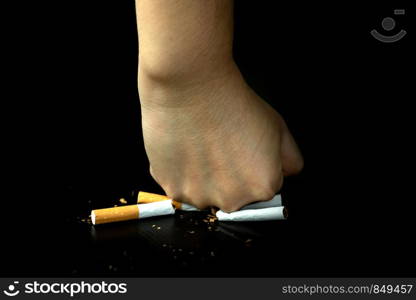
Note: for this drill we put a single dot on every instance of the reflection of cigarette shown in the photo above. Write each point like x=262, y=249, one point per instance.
x=144, y=197
x=131, y=212
x=260, y=214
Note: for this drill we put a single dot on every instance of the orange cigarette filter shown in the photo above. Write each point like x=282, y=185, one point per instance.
x=144, y=197
x=115, y=214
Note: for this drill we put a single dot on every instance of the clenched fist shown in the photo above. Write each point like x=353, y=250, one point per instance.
x=214, y=142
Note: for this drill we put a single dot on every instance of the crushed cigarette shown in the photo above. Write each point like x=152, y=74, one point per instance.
x=150, y=204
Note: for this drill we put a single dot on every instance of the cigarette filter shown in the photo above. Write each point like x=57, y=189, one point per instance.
x=131, y=212
x=275, y=201
x=144, y=197
x=260, y=214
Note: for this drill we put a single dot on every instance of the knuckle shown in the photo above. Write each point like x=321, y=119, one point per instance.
x=300, y=164
x=228, y=206
x=277, y=184
x=266, y=191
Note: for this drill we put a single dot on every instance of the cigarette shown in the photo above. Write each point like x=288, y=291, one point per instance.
x=131, y=212
x=144, y=197
x=275, y=201
x=260, y=214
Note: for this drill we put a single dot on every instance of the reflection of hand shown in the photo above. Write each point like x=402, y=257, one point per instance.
x=216, y=143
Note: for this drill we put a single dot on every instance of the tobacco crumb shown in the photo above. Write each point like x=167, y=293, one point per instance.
x=191, y=232
x=110, y=267
x=122, y=200
x=191, y=252
x=115, y=205
x=158, y=228
x=153, y=226
x=164, y=245
x=180, y=250
x=212, y=253
x=213, y=211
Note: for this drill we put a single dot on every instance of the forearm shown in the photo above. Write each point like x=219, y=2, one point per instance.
x=184, y=40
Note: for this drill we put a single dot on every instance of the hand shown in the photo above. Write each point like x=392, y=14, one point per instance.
x=216, y=143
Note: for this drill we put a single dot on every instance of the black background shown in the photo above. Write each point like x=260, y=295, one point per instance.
x=74, y=143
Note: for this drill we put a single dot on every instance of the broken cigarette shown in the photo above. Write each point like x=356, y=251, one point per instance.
x=144, y=197
x=131, y=212
x=259, y=214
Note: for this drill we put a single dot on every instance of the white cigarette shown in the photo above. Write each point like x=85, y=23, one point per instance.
x=260, y=214
x=274, y=202
x=131, y=212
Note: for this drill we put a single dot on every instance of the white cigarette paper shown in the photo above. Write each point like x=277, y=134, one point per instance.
x=154, y=209
x=260, y=214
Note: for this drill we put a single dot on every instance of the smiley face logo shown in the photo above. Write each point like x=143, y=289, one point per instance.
x=12, y=291
x=389, y=24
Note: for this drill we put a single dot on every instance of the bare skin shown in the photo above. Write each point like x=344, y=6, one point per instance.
x=210, y=139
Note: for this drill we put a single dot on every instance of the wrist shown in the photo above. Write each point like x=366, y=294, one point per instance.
x=174, y=87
